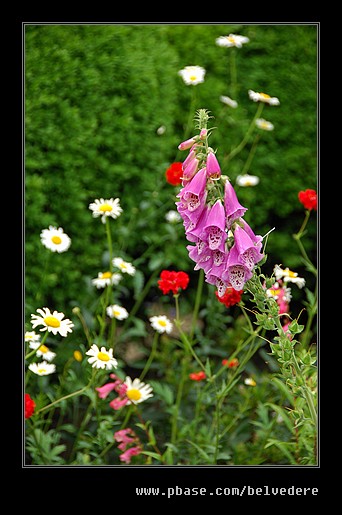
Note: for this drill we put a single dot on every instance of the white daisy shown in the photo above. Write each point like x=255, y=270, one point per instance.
x=229, y=101
x=288, y=276
x=124, y=266
x=232, y=40
x=116, y=311
x=104, y=279
x=43, y=368
x=101, y=358
x=137, y=391
x=105, y=208
x=53, y=322
x=247, y=180
x=173, y=217
x=249, y=381
x=192, y=75
x=33, y=338
x=263, y=124
x=263, y=97
x=46, y=353
x=55, y=239
x=161, y=324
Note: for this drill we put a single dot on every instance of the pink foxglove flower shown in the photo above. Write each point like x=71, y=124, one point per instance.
x=249, y=254
x=214, y=230
x=234, y=209
x=213, y=167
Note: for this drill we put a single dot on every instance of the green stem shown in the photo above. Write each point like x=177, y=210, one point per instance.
x=197, y=302
x=73, y=394
x=250, y=129
x=174, y=422
x=251, y=155
x=151, y=357
x=306, y=391
x=233, y=73
x=85, y=421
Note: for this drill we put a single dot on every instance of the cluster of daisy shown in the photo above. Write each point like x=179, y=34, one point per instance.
x=225, y=246
x=281, y=292
x=51, y=322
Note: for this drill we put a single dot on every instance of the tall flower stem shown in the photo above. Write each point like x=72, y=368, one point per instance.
x=151, y=357
x=73, y=394
x=251, y=154
x=197, y=303
x=245, y=140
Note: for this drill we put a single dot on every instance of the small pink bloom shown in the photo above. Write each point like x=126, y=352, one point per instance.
x=186, y=144
x=127, y=455
x=118, y=403
x=105, y=390
x=213, y=167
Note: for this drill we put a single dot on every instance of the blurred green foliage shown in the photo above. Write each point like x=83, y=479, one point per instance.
x=95, y=97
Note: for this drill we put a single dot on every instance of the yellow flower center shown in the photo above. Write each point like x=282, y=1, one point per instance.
x=134, y=394
x=52, y=321
x=103, y=357
x=162, y=323
x=231, y=39
x=265, y=95
x=106, y=275
x=123, y=266
x=77, y=355
x=42, y=370
x=274, y=292
x=116, y=313
x=193, y=78
x=290, y=273
x=43, y=348
x=56, y=240
x=105, y=207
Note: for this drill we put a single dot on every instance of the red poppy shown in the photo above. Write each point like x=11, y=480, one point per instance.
x=197, y=376
x=230, y=297
x=174, y=173
x=29, y=406
x=173, y=281
x=309, y=199
x=230, y=363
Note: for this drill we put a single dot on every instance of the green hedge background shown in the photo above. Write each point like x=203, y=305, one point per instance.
x=95, y=96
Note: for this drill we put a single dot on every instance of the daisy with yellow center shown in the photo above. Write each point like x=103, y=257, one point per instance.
x=43, y=368
x=124, y=266
x=263, y=97
x=247, y=180
x=106, y=208
x=101, y=358
x=249, y=381
x=232, y=40
x=116, y=311
x=192, y=75
x=263, y=124
x=52, y=322
x=137, y=391
x=55, y=239
x=33, y=339
x=288, y=276
x=45, y=352
x=104, y=279
x=161, y=324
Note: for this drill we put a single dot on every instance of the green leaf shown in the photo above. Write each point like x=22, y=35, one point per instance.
x=154, y=455
x=283, y=414
x=201, y=451
x=284, y=447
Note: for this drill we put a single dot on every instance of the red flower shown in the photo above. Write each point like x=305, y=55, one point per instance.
x=197, y=376
x=230, y=297
x=172, y=281
x=174, y=173
x=309, y=199
x=231, y=363
x=29, y=406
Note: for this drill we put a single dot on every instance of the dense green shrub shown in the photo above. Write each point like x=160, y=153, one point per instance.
x=94, y=99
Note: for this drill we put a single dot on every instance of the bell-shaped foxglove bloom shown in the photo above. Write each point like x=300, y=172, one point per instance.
x=213, y=167
x=202, y=255
x=249, y=254
x=193, y=197
x=214, y=229
x=236, y=273
x=232, y=206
